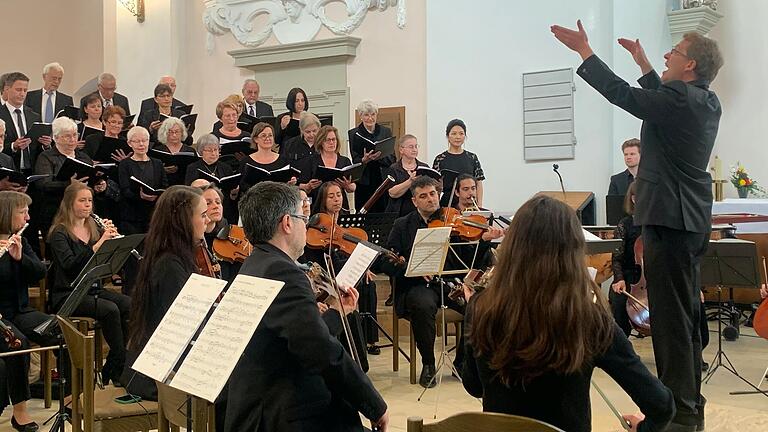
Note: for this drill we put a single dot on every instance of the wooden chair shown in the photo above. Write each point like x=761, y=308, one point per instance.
x=172, y=411
x=92, y=405
x=481, y=422
x=396, y=341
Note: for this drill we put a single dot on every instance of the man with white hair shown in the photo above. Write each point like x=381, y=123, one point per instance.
x=48, y=100
x=253, y=106
x=149, y=104
x=106, y=88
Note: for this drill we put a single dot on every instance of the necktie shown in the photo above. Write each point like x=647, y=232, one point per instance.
x=107, y=103
x=24, y=161
x=49, y=108
x=251, y=111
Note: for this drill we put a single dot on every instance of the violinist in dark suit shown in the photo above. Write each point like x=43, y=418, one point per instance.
x=106, y=86
x=18, y=119
x=674, y=194
x=294, y=375
x=48, y=100
x=363, y=150
x=620, y=182
x=149, y=104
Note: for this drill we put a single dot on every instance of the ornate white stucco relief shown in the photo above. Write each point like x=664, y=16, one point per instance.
x=289, y=20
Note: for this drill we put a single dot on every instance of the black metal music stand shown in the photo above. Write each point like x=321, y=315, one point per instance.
x=109, y=259
x=377, y=226
x=731, y=263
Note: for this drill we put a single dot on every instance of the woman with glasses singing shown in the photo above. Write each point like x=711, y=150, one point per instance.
x=404, y=171
x=113, y=124
x=263, y=138
x=171, y=137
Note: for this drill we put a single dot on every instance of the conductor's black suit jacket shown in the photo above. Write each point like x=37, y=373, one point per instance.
x=680, y=122
x=294, y=375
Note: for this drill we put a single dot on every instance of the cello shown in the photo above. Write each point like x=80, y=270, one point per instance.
x=637, y=301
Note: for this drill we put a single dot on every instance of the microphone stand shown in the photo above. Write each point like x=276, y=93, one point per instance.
x=555, y=168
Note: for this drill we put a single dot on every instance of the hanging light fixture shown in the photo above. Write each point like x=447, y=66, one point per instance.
x=135, y=7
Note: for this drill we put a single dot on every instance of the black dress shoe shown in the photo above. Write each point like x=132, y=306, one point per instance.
x=704, y=366
x=374, y=350
x=389, y=301
x=677, y=427
x=700, y=415
x=29, y=427
x=426, y=379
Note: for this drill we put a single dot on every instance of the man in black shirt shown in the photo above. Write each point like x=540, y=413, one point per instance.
x=621, y=181
x=418, y=298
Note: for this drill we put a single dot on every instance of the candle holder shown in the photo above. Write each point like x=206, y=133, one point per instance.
x=718, y=187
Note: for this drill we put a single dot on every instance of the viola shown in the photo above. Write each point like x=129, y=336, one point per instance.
x=205, y=264
x=637, y=302
x=6, y=333
x=760, y=318
x=231, y=245
x=470, y=228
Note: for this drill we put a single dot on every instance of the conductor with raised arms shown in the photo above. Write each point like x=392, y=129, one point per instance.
x=674, y=194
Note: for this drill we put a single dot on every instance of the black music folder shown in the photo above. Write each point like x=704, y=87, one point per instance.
x=186, y=109
x=70, y=111
x=86, y=131
x=110, y=145
x=226, y=183
x=229, y=146
x=39, y=129
x=18, y=177
x=180, y=159
x=427, y=171
x=385, y=146
x=354, y=171
x=254, y=174
x=147, y=189
x=81, y=169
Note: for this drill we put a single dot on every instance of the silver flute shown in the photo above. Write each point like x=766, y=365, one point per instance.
x=100, y=223
x=4, y=249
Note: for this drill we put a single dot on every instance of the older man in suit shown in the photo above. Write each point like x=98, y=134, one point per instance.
x=674, y=194
x=253, y=106
x=48, y=100
x=620, y=182
x=294, y=374
x=106, y=86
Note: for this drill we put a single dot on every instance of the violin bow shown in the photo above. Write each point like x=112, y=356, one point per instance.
x=344, y=319
x=624, y=424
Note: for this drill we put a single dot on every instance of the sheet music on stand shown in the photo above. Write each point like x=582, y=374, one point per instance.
x=204, y=371
x=430, y=248
x=361, y=259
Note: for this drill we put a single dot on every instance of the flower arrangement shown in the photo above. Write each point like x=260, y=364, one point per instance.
x=743, y=182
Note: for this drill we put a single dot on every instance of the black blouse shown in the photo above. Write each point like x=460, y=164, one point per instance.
x=168, y=275
x=52, y=190
x=372, y=174
x=464, y=163
x=147, y=117
x=217, y=169
x=69, y=255
x=277, y=164
x=17, y=276
x=299, y=154
x=178, y=177
x=134, y=210
x=403, y=205
x=290, y=131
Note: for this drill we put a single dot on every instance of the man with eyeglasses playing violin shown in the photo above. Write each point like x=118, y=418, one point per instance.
x=418, y=298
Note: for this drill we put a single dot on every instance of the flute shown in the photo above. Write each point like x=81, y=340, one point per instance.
x=4, y=249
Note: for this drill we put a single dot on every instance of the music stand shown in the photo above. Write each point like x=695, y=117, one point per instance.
x=731, y=263
x=377, y=226
x=108, y=260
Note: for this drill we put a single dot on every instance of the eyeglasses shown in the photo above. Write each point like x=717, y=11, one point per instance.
x=174, y=132
x=211, y=150
x=263, y=136
x=678, y=52
x=307, y=200
x=299, y=216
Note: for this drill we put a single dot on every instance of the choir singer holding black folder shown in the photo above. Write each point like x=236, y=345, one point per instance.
x=363, y=142
x=109, y=146
x=263, y=137
x=327, y=148
x=171, y=136
x=50, y=162
x=152, y=119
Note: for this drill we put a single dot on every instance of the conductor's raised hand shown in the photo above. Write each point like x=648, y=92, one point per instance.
x=637, y=52
x=576, y=40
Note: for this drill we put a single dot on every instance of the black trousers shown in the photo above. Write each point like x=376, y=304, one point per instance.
x=367, y=305
x=112, y=311
x=421, y=305
x=672, y=270
x=16, y=387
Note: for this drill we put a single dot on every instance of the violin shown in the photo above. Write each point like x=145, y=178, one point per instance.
x=231, y=245
x=637, y=302
x=8, y=336
x=470, y=228
x=475, y=279
x=205, y=263
x=760, y=318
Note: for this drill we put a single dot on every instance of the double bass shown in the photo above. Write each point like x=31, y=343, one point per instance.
x=637, y=302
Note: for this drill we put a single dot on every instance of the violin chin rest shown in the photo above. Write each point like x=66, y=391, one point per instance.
x=223, y=233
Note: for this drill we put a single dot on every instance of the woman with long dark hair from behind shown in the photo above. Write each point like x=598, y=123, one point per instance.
x=536, y=333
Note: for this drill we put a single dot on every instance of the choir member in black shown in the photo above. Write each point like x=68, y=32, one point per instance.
x=92, y=118
x=403, y=171
x=7, y=162
x=625, y=271
x=137, y=206
x=253, y=106
x=293, y=375
x=329, y=201
x=209, y=149
x=49, y=162
x=519, y=359
x=152, y=119
x=363, y=150
x=73, y=240
x=227, y=113
x=327, y=154
x=459, y=160
x=238, y=103
x=171, y=137
x=19, y=268
x=415, y=297
x=621, y=181
x=176, y=232
x=113, y=119
x=263, y=139
x=288, y=123
x=300, y=149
